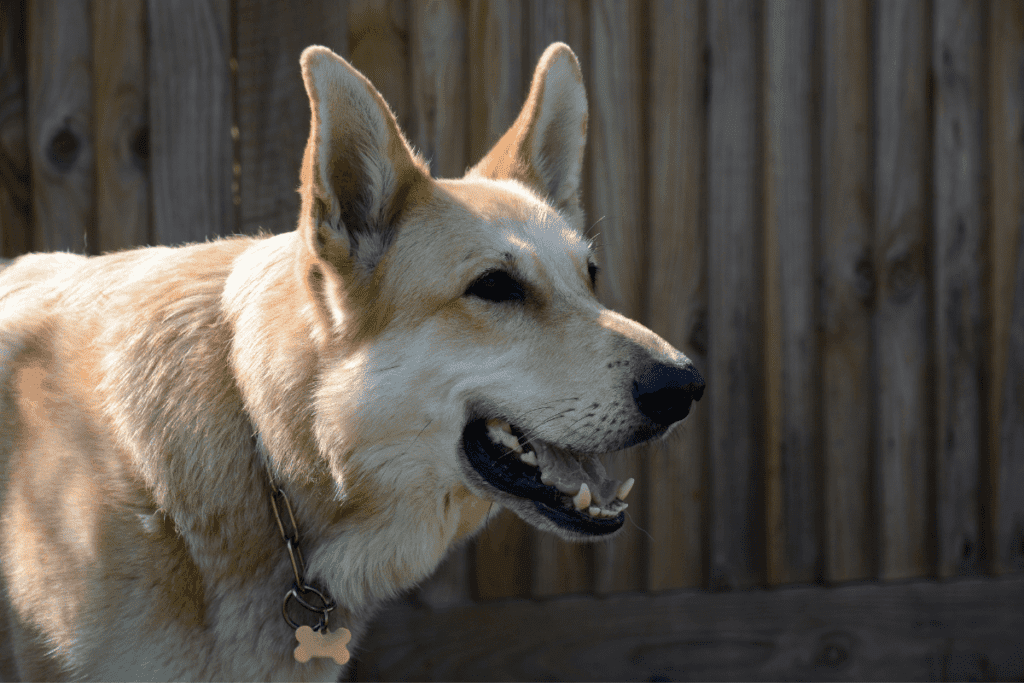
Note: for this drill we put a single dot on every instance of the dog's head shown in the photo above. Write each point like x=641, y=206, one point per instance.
x=464, y=353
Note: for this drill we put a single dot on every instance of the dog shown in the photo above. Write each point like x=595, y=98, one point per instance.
x=202, y=446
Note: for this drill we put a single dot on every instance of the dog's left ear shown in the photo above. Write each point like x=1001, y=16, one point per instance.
x=544, y=147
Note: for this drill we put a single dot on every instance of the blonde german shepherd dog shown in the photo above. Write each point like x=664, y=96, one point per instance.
x=416, y=355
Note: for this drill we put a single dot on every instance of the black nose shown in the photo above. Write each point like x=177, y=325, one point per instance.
x=663, y=393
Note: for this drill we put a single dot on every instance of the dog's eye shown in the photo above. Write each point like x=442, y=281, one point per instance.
x=497, y=285
x=593, y=270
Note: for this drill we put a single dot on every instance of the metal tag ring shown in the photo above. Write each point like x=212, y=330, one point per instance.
x=323, y=612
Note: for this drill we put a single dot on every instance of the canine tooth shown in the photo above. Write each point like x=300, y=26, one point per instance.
x=582, y=499
x=501, y=432
x=529, y=457
x=625, y=488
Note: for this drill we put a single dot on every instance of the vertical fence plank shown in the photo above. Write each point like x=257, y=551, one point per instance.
x=734, y=287
x=791, y=352
x=379, y=47
x=677, y=289
x=902, y=324
x=60, y=124
x=847, y=291
x=956, y=63
x=190, y=104
x=559, y=567
x=617, y=182
x=15, y=188
x=439, y=108
x=497, y=87
x=272, y=107
x=1006, y=283
x=497, y=83
x=122, y=124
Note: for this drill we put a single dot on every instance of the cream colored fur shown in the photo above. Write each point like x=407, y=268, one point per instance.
x=138, y=540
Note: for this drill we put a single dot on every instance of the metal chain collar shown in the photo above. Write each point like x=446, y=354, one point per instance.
x=300, y=590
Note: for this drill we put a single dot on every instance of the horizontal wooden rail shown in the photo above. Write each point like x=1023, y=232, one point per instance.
x=925, y=630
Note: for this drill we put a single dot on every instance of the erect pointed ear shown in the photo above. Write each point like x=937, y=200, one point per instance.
x=544, y=147
x=358, y=172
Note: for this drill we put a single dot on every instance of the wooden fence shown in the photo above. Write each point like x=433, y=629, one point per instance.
x=821, y=203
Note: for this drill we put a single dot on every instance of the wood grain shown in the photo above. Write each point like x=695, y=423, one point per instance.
x=617, y=185
x=497, y=82
x=847, y=292
x=677, y=296
x=959, y=332
x=548, y=21
x=903, y=327
x=962, y=630
x=790, y=349
x=1005, y=70
x=379, y=47
x=122, y=124
x=272, y=105
x=734, y=298
x=15, y=181
x=440, y=109
x=60, y=124
x=190, y=104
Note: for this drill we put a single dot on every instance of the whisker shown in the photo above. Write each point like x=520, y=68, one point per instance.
x=630, y=518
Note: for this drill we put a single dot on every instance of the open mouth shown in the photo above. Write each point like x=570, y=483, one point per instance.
x=570, y=489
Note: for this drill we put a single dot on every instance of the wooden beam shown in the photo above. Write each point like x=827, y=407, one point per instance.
x=735, y=355
x=272, y=106
x=61, y=145
x=903, y=331
x=122, y=124
x=847, y=291
x=957, y=272
x=959, y=630
x=790, y=344
x=1006, y=283
x=15, y=177
x=190, y=102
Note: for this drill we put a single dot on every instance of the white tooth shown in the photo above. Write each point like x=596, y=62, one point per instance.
x=545, y=478
x=500, y=432
x=625, y=488
x=607, y=513
x=594, y=511
x=582, y=499
x=529, y=457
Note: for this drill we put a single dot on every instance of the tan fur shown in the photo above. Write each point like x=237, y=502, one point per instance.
x=138, y=538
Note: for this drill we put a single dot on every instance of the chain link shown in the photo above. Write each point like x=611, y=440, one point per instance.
x=291, y=541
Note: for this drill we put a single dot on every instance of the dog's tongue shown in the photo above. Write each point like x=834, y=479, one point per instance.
x=566, y=471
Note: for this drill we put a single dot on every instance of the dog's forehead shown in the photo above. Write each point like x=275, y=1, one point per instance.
x=518, y=226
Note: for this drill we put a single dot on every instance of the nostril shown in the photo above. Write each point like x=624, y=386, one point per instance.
x=663, y=393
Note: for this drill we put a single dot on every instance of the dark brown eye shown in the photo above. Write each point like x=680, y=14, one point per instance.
x=497, y=285
x=593, y=270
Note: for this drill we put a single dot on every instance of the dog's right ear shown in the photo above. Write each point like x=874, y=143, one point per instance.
x=358, y=171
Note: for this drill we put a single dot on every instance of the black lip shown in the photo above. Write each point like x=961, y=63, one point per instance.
x=506, y=473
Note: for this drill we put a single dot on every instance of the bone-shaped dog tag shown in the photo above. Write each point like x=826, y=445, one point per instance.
x=322, y=644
